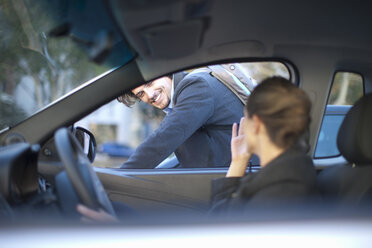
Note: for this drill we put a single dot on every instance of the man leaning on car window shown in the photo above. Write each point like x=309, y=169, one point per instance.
x=197, y=127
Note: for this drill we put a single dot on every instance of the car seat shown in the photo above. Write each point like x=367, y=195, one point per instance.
x=352, y=183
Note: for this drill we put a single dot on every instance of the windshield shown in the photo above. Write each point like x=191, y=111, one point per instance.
x=49, y=48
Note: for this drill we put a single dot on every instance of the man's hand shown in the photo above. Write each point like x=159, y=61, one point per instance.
x=90, y=215
x=240, y=154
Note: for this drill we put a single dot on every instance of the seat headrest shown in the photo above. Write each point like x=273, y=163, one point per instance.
x=354, y=138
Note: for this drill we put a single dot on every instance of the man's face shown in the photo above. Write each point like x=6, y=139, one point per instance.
x=156, y=93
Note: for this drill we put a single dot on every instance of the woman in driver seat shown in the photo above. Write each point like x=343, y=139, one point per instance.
x=276, y=115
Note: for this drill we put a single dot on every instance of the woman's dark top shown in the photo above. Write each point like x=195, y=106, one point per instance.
x=288, y=179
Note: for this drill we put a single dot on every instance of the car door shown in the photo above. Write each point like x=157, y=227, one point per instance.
x=117, y=128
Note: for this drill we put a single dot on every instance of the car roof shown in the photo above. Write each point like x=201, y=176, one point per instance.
x=218, y=30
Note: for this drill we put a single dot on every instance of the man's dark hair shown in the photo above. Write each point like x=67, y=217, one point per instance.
x=129, y=99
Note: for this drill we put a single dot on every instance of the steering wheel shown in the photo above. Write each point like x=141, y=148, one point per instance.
x=83, y=178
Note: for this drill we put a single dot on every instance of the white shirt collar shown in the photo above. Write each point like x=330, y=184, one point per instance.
x=168, y=109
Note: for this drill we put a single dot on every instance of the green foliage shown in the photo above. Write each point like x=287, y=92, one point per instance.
x=11, y=112
x=52, y=66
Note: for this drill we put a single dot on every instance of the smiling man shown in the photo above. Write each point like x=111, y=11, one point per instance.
x=200, y=111
x=156, y=93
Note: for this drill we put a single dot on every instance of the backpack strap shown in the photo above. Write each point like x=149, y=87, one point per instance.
x=235, y=79
x=241, y=85
x=237, y=70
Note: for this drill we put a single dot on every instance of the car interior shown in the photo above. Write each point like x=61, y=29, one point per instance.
x=351, y=183
x=46, y=159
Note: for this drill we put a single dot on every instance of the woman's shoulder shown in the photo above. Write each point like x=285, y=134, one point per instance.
x=295, y=157
x=291, y=165
x=298, y=160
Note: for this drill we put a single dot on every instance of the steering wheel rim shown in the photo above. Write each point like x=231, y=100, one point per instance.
x=83, y=178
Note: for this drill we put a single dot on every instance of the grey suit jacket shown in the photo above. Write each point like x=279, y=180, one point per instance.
x=199, y=99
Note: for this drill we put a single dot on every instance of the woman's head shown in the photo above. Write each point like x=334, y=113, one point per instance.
x=283, y=108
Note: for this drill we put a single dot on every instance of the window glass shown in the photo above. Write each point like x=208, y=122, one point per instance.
x=36, y=66
x=119, y=129
x=347, y=88
x=328, y=136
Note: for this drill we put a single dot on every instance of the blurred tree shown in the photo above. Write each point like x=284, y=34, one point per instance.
x=52, y=66
x=347, y=88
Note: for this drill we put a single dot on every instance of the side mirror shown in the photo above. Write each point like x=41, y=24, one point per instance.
x=87, y=141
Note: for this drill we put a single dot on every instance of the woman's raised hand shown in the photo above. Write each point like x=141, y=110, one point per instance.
x=240, y=154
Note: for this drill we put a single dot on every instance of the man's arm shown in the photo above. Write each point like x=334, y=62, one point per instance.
x=194, y=105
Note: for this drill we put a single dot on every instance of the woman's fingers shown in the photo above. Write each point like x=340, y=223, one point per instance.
x=87, y=212
x=92, y=215
x=238, y=130
x=234, y=130
x=241, y=126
